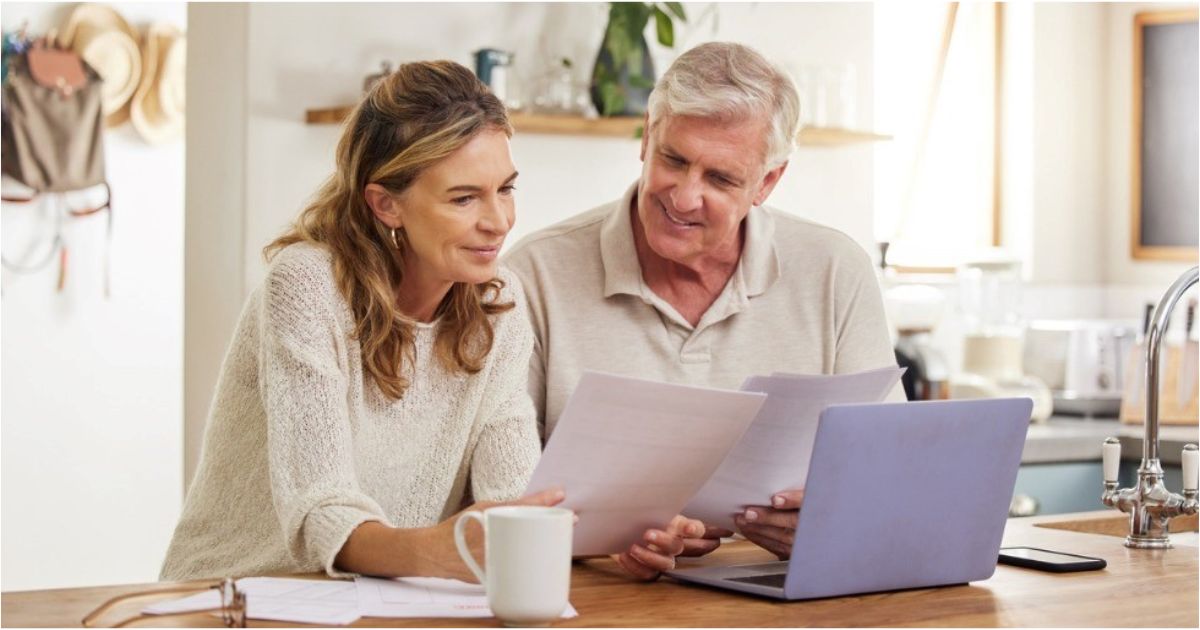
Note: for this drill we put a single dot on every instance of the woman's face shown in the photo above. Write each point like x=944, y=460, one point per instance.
x=458, y=211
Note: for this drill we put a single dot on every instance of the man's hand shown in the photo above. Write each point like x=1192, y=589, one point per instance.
x=657, y=553
x=706, y=543
x=773, y=528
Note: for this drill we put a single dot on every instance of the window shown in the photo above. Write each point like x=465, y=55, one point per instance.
x=936, y=91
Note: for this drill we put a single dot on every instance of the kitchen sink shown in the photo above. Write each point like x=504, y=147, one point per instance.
x=1117, y=524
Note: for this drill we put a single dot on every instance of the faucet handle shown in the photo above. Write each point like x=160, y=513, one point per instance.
x=1189, y=467
x=1112, y=459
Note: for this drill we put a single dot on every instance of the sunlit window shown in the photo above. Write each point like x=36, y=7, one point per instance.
x=935, y=92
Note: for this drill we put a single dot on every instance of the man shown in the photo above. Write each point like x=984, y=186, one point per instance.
x=688, y=278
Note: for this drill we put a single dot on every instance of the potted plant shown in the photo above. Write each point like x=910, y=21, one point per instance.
x=624, y=73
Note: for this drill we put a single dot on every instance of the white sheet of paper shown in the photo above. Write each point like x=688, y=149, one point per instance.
x=773, y=454
x=320, y=602
x=629, y=453
x=425, y=597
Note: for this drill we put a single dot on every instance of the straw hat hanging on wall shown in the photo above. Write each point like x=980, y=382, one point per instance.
x=158, y=104
x=109, y=45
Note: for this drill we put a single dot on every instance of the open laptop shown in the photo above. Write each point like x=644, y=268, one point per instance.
x=899, y=495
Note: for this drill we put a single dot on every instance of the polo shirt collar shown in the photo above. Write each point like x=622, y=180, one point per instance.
x=758, y=268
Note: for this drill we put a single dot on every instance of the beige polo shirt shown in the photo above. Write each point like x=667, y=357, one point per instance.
x=803, y=299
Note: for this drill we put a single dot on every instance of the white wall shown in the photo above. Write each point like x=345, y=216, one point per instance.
x=302, y=56
x=1082, y=139
x=1068, y=131
x=92, y=387
x=1070, y=143
x=216, y=206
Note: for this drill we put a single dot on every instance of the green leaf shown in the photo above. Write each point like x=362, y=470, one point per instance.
x=640, y=81
x=612, y=97
x=676, y=8
x=666, y=30
x=603, y=74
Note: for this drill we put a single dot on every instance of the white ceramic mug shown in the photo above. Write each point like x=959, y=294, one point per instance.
x=527, y=551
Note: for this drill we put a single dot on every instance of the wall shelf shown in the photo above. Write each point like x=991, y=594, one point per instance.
x=616, y=127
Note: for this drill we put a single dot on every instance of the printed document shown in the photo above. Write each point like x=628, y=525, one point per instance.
x=338, y=603
x=629, y=453
x=774, y=452
x=425, y=597
x=319, y=602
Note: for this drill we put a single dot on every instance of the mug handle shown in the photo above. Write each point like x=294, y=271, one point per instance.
x=460, y=541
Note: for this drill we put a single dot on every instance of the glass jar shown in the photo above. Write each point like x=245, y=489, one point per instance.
x=990, y=301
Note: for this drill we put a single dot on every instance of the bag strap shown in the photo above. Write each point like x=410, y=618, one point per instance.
x=107, y=205
x=59, y=244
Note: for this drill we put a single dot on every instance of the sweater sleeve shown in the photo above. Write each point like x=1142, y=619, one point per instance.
x=508, y=447
x=304, y=388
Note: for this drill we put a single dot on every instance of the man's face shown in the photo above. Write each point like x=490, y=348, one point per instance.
x=699, y=179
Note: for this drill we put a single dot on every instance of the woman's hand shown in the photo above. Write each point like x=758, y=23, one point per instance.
x=376, y=549
x=441, y=554
x=773, y=528
x=657, y=553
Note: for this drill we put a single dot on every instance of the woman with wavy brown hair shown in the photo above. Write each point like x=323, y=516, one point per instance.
x=376, y=379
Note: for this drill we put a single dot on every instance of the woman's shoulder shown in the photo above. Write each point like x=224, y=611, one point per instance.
x=511, y=324
x=301, y=272
x=303, y=262
x=511, y=291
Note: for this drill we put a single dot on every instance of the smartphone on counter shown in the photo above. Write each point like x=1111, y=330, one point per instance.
x=1046, y=560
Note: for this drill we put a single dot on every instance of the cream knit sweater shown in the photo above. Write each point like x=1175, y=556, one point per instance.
x=301, y=446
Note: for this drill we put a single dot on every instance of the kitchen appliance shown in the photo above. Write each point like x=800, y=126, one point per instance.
x=1082, y=361
x=914, y=310
x=990, y=298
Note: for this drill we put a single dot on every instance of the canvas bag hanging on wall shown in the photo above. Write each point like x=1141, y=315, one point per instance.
x=52, y=138
x=52, y=131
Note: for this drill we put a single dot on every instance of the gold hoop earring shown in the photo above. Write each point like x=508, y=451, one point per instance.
x=395, y=239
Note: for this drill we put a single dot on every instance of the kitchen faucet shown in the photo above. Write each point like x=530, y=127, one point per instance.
x=1149, y=504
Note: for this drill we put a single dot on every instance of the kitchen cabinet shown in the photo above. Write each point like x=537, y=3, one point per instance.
x=1076, y=486
x=1060, y=465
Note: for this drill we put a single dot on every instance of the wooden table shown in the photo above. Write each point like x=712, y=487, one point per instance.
x=1139, y=588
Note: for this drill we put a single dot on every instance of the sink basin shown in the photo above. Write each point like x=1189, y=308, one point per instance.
x=1117, y=524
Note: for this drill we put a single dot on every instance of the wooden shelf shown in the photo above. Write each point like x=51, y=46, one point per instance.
x=832, y=137
x=615, y=127
x=328, y=115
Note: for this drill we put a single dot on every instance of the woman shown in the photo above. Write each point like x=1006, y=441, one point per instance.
x=380, y=367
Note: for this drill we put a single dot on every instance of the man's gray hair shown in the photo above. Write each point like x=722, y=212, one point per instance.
x=730, y=81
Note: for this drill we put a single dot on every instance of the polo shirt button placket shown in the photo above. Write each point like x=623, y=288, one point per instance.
x=694, y=351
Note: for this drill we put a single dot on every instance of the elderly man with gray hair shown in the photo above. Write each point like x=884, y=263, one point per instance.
x=688, y=278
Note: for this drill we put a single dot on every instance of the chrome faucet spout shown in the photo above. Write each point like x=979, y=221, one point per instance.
x=1149, y=503
x=1154, y=338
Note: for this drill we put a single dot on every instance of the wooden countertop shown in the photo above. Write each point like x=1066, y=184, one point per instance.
x=1139, y=588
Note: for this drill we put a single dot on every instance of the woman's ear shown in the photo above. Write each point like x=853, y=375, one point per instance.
x=383, y=205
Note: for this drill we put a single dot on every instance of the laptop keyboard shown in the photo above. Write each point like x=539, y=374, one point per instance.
x=774, y=579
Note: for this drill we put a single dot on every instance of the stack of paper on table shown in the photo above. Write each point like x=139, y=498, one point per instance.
x=337, y=603
x=318, y=602
x=425, y=597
